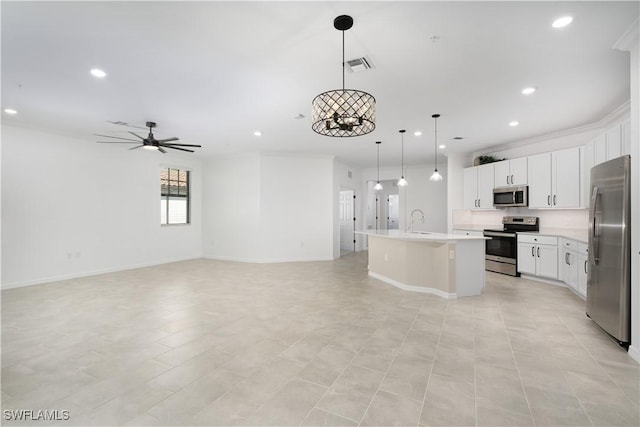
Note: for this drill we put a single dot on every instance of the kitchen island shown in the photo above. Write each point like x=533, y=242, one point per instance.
x=447, y=265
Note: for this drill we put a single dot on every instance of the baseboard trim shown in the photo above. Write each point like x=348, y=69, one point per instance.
x=634, y=352
x=53, y=279
x=412, y=288
x=263, y=260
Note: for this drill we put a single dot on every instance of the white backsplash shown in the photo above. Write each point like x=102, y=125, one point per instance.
x=574, y=219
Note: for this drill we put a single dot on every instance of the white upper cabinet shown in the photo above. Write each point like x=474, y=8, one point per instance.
x=539, y=177
x=612, y=143
x=554, y=179
x=478, y=187
x=565, y=177
x=510, y=172
x=470, y=179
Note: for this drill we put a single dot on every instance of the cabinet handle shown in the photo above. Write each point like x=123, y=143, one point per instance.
x=507, y=179
x=566, y=254
x=538, y=251
x=549, y=200
x=585, y=267
x=511, y=179
x=533, y=251
x=554, y=200
x=478, y=202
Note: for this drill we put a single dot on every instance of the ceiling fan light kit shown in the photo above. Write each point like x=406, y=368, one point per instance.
x=343, y=112
x=150, y=142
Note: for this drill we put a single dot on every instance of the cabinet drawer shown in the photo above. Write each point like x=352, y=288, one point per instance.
x=537, y=239
x=568, y=244
x=583, y=248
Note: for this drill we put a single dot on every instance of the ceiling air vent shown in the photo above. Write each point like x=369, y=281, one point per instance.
x=359, y=64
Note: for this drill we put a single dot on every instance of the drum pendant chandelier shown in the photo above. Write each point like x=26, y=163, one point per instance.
x=343, y=112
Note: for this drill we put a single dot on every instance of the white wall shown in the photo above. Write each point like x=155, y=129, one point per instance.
x=264, y=207
x=297, y=207
x=71, y=207
x=231, y=216
x=630, y=41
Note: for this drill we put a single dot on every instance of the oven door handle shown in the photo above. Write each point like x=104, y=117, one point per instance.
x=496, y=234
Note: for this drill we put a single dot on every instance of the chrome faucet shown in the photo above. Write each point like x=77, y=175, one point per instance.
x=421, y=219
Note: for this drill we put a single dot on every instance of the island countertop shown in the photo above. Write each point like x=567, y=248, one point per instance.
x=419, y=235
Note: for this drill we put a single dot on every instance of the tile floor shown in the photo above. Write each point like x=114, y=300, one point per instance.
x=206, y=342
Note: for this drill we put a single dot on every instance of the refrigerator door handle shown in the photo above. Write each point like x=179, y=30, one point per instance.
x=594, y=226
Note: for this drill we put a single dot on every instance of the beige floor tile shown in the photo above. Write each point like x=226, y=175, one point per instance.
x=448, y=402
x=318, y=417
x=290, y=405
x=158, y=339
x=327, y=365
x=388, y=409
x=490, y=416
x=408, y=376
x=351, y=393
x=552, y=408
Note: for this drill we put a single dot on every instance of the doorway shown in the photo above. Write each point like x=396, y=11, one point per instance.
x=347, y=222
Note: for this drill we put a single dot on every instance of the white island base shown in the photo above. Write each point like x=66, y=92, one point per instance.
x=447, y=265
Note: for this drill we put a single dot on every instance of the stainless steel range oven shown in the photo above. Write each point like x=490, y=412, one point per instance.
x=501, y=250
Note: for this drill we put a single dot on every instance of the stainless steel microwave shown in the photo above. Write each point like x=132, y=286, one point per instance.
x=505, y=197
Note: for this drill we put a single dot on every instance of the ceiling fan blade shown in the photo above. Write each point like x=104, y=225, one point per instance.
x=118, y=142
x=161, y=150
x=136, y=147
x=168, y=139
x=115, y=137
x=135, y=134
x=177, y=148
x=185, y=145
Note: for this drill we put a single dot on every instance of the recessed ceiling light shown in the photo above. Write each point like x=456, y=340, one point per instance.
x=10, y=111
x=417, y=133
x=257, y=133
x=562, y=22
x=528, y=90
x=441, y=146
x=513, y=124
x=96, y=72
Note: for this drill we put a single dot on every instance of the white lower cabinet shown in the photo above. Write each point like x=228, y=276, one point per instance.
x=568, y=262
x=538, y=255
x=583, y=268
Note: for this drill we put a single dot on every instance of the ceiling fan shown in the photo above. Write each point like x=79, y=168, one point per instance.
x=150, y=142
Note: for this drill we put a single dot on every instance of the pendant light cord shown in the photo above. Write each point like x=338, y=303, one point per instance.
x=436, y=143
x=343, y=60
x=402, y=171
x=378, y=161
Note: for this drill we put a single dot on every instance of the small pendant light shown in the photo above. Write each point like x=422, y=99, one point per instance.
x=402, y=182
x=378, y=186
x=436, y=175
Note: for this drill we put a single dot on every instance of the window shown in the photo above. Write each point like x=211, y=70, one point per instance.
x=174, y=196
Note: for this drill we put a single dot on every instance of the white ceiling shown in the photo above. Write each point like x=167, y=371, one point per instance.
x=212, y=73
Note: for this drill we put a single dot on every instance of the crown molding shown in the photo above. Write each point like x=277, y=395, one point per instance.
x=629, y=39
x=615, y=115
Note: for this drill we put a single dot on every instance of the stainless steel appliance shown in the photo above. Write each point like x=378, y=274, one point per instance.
x=504, y=197
x=501, y=250
x=609, y=276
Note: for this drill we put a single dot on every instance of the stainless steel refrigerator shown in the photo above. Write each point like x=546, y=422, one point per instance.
x=609, y=274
